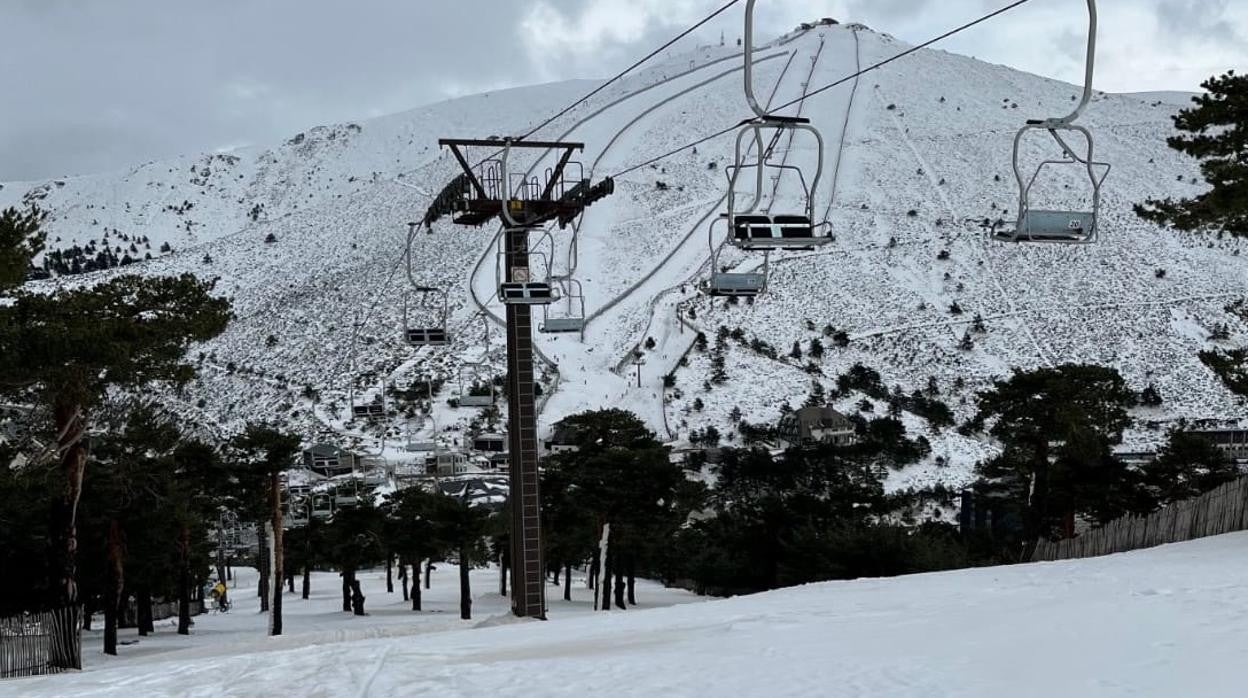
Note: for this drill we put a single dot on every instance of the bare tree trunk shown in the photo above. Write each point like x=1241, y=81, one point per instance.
x=602, y=574
x=619, y=585
x=70, y=425
x=416, y=586
x=143, y=611
x=465, y=591
x=357, y=597
x=262, y=563
x=346, y=591
x=389, y=573
x=112, y=593
x=428, y=571
x=604, y=582
x=184, y=580
x=307, y=580
x=632, y=581
x=403, y=577
x=557, y=568
x=278, y=573
x=87, y=610
x=502, y=572
x=567, y=581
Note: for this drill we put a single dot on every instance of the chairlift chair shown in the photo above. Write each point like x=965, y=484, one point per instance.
x=519, y=286
x=347, y=498
x=751, y=228
x=467, y=399
x=574, y=321
x=322, y=506
x=295, y=511
x=729, y=284
x=433, y=332
x=369, y=410
x=1062, y=225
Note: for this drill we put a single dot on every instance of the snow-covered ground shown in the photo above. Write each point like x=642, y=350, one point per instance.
x=321, y=621
x=1163, y=622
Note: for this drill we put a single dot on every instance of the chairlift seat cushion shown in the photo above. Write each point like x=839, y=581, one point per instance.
x=1056, y=225
x=772, y=232
x=427, y=336
x=476, y=400
x=730, y=284
x=528, y=293
x=563, y=324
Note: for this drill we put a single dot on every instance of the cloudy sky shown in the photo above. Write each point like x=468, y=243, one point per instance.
x=92, y=85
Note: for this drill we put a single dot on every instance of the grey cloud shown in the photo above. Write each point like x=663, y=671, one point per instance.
x=99, y=84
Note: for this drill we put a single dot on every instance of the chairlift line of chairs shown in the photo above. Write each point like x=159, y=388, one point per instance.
x=1060, y=226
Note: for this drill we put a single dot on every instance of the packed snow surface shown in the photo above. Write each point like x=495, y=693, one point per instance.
x=1163, y=622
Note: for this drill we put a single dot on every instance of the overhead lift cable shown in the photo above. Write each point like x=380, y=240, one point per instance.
x=618, y=76
x=825, y=88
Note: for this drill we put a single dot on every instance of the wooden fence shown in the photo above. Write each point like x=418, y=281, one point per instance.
x=1223, y=510
x=32, y=644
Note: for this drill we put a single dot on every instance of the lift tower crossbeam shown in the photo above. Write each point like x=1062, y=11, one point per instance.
x=485, y=192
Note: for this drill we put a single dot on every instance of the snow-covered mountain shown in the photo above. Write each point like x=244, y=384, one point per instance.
x=918, y=154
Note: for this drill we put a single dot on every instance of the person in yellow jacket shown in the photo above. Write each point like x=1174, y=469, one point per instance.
x=218, y=596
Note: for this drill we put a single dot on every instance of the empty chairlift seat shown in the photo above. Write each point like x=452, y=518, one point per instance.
x=372, y=409
x=737, y=284
x=527, y=293
x=558, y=325
x=1057, y=225
x=428, y=336
x=766, y=232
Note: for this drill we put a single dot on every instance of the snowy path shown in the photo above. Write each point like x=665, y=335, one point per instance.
x=1164, y=622
x=320, y=619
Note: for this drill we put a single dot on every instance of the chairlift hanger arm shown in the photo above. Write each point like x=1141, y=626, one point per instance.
x=463, y=162
x=557, y=174
x=1088, y=73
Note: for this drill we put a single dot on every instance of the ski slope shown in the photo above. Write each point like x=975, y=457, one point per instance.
x=1163, y=622
x=917, y=157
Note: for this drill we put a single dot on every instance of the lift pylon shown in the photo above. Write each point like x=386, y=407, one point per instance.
x=521, y=203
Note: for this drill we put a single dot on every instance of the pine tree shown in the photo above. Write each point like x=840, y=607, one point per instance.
x=1150, y=397
x=20, y=241
x=818, y=396
x=68, y=349
x=1218, y=128
x=796, y=352
x=816, y=348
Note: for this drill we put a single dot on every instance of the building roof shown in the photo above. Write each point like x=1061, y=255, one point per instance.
x=822, y=418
